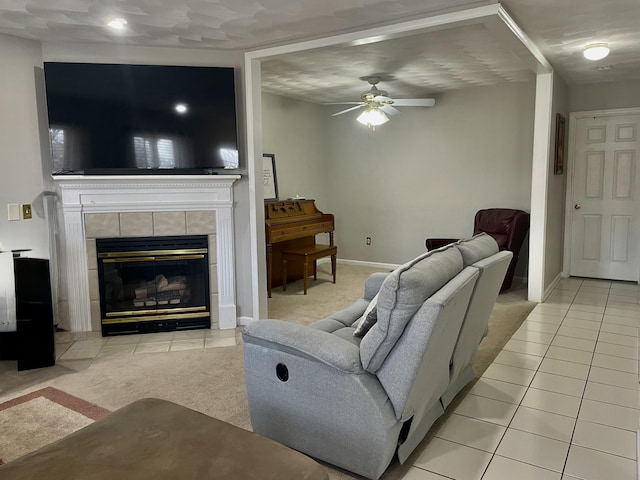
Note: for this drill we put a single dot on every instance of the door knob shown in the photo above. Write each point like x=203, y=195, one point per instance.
x=577, y=206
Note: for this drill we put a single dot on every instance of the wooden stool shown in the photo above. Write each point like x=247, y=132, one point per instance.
x=310, y=253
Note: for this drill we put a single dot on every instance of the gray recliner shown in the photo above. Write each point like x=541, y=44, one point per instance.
x=355, y=402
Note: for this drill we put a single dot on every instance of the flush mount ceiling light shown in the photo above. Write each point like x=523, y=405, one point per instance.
x=596, y=51
x=372, y=117
x=181, y=108
x=117, y=23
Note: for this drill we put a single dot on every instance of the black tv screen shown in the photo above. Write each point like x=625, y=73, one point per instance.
x=121, y=119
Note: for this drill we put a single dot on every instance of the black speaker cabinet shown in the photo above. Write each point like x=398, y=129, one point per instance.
x=8, y=345
x=34, y=313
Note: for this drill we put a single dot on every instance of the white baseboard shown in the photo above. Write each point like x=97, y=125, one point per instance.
x=361, y=263
x=551, y=286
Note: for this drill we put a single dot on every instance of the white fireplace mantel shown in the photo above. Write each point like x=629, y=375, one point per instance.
x=82, y=194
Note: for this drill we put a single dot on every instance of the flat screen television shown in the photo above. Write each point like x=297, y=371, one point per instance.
x=132, y=119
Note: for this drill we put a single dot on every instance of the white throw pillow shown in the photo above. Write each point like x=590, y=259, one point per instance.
x=363, y=326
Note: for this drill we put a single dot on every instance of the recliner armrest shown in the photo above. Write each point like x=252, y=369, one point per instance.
x=301, y=340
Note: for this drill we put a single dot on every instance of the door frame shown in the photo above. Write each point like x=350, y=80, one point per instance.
x=573, y=118
x=496, y=19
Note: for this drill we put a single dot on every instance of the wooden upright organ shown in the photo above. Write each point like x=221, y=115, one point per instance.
x=292, y=224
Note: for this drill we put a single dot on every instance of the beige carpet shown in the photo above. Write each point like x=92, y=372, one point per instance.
x=36, y=419
x=211, y=380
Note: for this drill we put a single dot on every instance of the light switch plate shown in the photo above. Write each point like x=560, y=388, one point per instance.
x=13, y=211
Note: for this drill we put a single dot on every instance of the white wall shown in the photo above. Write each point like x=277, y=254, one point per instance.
x=603, y=96
x=294, y=131
x=428, y=170
x=557, y=185
x=21, y=162
x=423, y=174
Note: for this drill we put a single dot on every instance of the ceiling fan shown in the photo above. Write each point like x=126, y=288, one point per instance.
x=378, y=105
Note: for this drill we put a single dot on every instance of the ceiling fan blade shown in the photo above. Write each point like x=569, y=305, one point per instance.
x=347, y=110
x=389, y=110
x=414, y=102
x=343, y=103
x=383, y=99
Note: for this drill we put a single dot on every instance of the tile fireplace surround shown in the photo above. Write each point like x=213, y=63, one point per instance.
x=165, y=204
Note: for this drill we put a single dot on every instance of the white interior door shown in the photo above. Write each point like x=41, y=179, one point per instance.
x=605, y=233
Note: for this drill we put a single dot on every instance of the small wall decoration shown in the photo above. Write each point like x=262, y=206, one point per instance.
x=558, y=165
x=269, y=176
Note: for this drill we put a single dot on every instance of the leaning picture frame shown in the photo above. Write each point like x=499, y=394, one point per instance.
x=270, y=180
x=558, y=164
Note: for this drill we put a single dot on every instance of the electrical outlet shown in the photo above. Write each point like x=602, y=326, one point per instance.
x=368, y=240
x=26, y=211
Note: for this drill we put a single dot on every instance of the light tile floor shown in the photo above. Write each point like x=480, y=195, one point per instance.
x=560, y=402
x=90, y=345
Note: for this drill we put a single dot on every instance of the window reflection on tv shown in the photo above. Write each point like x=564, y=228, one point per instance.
x=114, y=118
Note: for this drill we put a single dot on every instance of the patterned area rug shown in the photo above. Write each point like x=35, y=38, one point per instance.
x=42, y=417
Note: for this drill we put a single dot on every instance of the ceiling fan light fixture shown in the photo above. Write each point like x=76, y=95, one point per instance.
x=117, y=23
x=372, y=117
x=596, y=51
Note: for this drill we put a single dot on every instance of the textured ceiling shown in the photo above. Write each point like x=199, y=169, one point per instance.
x=562, y=28
x=413, y=66
x=203, y=23
x=430, y=63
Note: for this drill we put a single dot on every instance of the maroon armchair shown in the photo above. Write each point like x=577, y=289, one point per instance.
x=507, y=226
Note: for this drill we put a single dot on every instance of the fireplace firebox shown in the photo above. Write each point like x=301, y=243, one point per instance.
x=153, y=284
